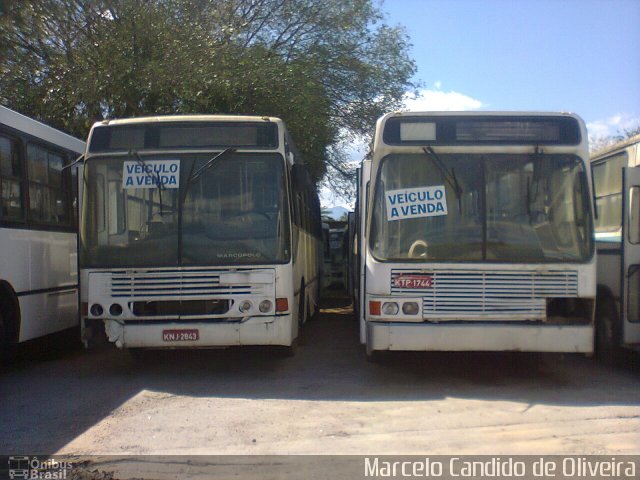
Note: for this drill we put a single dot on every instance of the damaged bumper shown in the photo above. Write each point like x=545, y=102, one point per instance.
x=264, y=330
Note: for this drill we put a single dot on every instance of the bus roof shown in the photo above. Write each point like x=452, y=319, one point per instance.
x=275, y=126
x=188, y=118
x=39, y=130
x=475, y=113
x=603, y=152
x=554, y=128
x=528, y=113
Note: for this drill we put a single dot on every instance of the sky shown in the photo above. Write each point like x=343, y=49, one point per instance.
x=580, y=56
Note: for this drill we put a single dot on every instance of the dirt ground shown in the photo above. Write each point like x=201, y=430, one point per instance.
x=326, y=400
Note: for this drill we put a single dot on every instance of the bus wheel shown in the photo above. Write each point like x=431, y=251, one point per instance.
x=4, y=339
x=607, y=333
x=301, y=305
x=9, y=326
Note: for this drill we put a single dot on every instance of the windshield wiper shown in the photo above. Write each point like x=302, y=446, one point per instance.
x=145, y=168
x=449, y=177
x=207, y=165
x=529, y=201
x=532, y=197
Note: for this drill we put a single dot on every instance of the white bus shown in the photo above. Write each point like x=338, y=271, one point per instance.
x=197, y=231
x=363, y=175
x=38, y=234
x=478, y=234
x=616, y=178
x=338, y=252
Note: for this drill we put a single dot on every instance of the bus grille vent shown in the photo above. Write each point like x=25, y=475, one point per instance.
x=469, y=295
x=180, y=284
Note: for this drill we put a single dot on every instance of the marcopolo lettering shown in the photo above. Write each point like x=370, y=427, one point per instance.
x=416, y=202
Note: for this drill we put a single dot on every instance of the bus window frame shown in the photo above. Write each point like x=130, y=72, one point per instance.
x=27, y=222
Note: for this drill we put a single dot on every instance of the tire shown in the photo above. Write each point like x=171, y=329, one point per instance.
x=9, y=326
x=301, y=305
x=310, y=317
x=607, y=333
x=4, y=340
x=9, y=332
x=95, y=334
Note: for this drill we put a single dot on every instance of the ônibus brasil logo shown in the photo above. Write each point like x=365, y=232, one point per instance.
x=22, y=467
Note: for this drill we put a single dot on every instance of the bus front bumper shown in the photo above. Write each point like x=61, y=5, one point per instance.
x=271, y=330
x=479, y=337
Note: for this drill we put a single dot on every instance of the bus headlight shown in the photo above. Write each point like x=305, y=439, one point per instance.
x=244, y=306
x=390, y=308
x=265, y=306
x=115, y=310
x=410, y=308
x=96, y=310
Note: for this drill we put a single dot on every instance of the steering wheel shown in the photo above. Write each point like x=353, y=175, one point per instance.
x=418, y=249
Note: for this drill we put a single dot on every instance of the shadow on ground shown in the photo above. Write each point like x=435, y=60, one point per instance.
x=49, y=397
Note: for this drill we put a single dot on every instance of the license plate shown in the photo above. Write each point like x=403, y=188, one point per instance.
x=413, y=281
x=181, y=335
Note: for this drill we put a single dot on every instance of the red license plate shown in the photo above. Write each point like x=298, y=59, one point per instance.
x=413, y=281
x=181, y=335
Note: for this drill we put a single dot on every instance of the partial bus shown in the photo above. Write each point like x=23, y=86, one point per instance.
x=478, y=234
x=197, y=231
x=38, y=229
x=363, y=175
x=338, y=248
x=326, y=257
x=616, y=179
x=350, y=260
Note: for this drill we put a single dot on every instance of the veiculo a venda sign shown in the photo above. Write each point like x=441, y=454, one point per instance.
x=416, y=202
x=151, y=174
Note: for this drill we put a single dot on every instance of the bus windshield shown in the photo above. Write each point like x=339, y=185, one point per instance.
x=495, y=207
x=230, y=211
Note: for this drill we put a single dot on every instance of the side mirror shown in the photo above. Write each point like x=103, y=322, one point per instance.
x=78, y=160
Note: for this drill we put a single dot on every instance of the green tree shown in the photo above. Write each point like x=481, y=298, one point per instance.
x=329, y=68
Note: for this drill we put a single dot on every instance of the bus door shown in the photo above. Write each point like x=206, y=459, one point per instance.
x=631, y=256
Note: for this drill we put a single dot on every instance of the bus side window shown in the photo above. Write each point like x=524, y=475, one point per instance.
x=11, y=198
x=74, y=190
x=297, y=183
x=607, y=180
x=634, y=215
x=48, y=202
